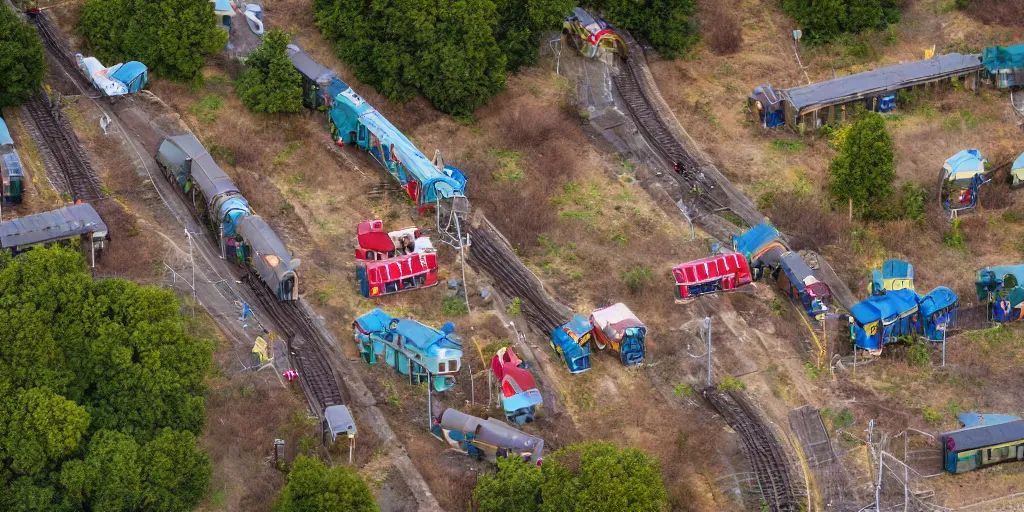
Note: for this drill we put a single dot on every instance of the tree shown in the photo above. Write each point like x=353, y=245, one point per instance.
x=313, y=487
x=41, y=429
x=109, y=478
x=824, y=20
x=175, y=474
x=22, y=62
x=171, y=37
x=600, y=477
x=864, y=169
x=270, y=83
x=667, y=24
x=514, y=488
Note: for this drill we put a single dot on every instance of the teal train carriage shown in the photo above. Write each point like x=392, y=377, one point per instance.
x=1002, y=287
x=985, y=440
x=353, y=121
x=11, y=170
x=420, y=352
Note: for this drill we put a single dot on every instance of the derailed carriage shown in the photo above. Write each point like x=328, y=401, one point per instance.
x=11, y=171
x=1002, y=288
x=519, y=394
x=420, y=352
x=391, y=262
x=890, y=314
x=486, y=438
x=589, y=34
x=219, y=204
x=718, y=273
x=768, y=254
x=353, y=121
x=960, y=180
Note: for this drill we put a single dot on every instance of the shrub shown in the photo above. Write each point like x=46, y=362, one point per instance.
x=864, y=169
x=722, y=28
x=931, y=416
x=730, y=383
x=515, y=487
x=824, y=20
x=636, y=278
x=22, y=62
x=684, y=390
x=270, y=83
x=954, y=237
x=576, y=480
x=914, y=199
x=313, y=487
x=454, y=306
x=515, y=307
x=919, y=354
x=121, y=30
x=666, y=24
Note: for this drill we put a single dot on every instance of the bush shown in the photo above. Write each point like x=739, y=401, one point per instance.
x=824, y=20
x=515, y=487
x=865, y=168
x=101, y=391
x=122, y=30
x=954, y=237
x=914, y=200
x=730, y=383
x=722, y=29
x=667, y=24
x=454, y=306
x=22, y=61
x=270, y=83
x=636, y=278
x=313, y=487
x=919, y=354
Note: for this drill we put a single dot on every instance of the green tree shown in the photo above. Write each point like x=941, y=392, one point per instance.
x=313, y=487
x=270, y=83
x=824, y=20
x=172, y=38
x=41, y=428
x=175, y=474
x=600, y=477
x=667, y=24
x=520, y=23
x=864, y=169
x=514, y=488
x=108, y=479
x=22, y=62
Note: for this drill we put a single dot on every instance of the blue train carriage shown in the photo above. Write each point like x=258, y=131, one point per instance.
x=1017, y=172
x=884, y=317
x=894, y=275
x=985, y=440
x=414, y=349
x=11, y=171
x=963, y=174
x=215, y=198
x=486, y=438
x=260, y=249
x=763, y=246
x=353, y=121
x=317, y=81
x=571, y=343
x=796, y=279
x=1002, y=287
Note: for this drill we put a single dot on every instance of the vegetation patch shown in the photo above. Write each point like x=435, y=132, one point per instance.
x=22, y=61
x=270, y=83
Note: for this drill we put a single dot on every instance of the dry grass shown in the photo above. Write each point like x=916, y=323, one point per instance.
x=997, y=12
x=721, y=27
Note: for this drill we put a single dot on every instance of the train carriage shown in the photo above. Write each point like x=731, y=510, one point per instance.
x=571, y=343
x=77, y=221
x=402, y=273
x=519, y=394
x=214, y=196
x=617, y=327
x=762, y=245
x=11, y=171
x=316, y=79
x=488, y=438
x=264, y=252
x=939, y=310
x=589, y=35
x=796, y=279
x=722, y=272
x=963, y=174
x=413, y=349
x=373, y=243
x=886, y=316
x=985, y=440
x=1001, y=287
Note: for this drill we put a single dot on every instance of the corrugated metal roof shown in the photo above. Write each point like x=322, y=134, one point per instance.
x=887, y=79
x=50, y=226
x=307, y=66
x=972, y=438
x=212, y=180
x=264, y=242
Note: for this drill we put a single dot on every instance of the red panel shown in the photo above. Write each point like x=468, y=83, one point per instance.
x=371, y=235
x=730, y=267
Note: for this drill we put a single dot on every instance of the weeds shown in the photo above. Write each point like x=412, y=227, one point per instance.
x=954, y=237
x=636, y=279
x=953, y=407
x=838, y=420
x=919, y=354
x=931, y=416
x=730, y=383
x=788, y=146
x=515, y=307
x=510, y=169
x=453, y=306
x=207, y=108
x=812, y=371
x=777, y=306
x=684, y=390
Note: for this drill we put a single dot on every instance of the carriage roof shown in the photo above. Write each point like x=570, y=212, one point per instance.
x=264, y=242
x=78, y=219
x=414, y=333
x=897, y=269
x=414, y=161
x=212, y=180
x=308, y=67
x=980, y=436
x=964, y=165
x=6, y=142
x=615, y=319
x=587, y=20
x=756, y=239
x=710, y=268
x=492, y=431
x=11, y=164
x=881, y=307
x=937, y=300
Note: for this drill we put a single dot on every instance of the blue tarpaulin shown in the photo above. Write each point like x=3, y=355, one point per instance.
x=757, y=241
x=937, y=300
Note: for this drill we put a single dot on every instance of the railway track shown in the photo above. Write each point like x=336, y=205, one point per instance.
x=305, y=343
x=490, y=252
x=762, y=450
x=60, y=148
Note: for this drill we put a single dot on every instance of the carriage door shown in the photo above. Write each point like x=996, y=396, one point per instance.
x=361, y=136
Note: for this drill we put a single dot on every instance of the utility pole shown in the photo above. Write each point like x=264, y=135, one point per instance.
x=707, y=331
x=430, y=410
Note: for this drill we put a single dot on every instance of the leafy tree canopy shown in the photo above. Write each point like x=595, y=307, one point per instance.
x=270, y=83
x=667, y=24
x=172, y=38
x=596, y=477
x=864, y=169
x=824, y=20
x=100, y=391
x=313, y=487
x=22, y=61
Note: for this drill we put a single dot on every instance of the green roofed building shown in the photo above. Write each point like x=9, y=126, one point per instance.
x=1005, y=65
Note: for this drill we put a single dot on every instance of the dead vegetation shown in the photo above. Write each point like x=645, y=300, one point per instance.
x=721, y=26
x=1009, y=13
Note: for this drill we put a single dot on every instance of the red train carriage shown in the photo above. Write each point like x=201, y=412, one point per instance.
x=393, y=262
x=711, y=275
x=373, y=243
